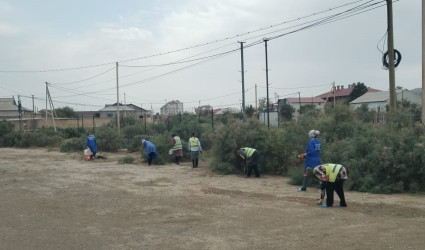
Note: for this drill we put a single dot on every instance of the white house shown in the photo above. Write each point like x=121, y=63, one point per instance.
x=380, y=100
x=172, y=108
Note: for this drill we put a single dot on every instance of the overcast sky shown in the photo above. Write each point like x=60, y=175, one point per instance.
x=189, y=50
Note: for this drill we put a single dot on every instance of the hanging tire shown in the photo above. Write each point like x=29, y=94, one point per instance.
x=386, y=59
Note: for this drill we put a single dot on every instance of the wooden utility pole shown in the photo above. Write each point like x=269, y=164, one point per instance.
x=243, y=83
x=118, y=101
x=256, y=105
x=391, y=70
x=267, y=84
x=423, y=62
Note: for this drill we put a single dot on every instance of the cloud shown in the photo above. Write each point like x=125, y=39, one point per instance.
x=128, y=34
x=8, y=30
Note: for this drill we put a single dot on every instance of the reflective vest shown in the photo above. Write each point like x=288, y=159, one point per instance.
x=332, y=171
x=248, y=152
x=178, y=144
x=193, y=142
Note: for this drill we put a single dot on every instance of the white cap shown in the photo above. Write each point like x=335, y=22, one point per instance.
x=313, y=133
x=143, y=141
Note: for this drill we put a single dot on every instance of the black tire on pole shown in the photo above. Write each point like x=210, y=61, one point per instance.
x=397, y=59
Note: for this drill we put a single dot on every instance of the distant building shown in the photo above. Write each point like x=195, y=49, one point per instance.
x=221, y=111
x=203, y=109
x=172, y=108
x=110, y=111
x=341, y=94
x=9, y=109
x=380, y=100
x=271, y=116
x=298, y=102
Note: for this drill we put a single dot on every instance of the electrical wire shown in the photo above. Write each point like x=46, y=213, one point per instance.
x=178, y=50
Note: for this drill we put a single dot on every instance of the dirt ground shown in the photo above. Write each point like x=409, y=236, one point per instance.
x=52, y=200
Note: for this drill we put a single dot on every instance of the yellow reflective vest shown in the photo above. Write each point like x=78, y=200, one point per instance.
x=248, y=152
x=178, y=144
x=332, y=171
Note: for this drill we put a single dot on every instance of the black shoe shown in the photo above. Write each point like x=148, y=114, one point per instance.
x=302, y=189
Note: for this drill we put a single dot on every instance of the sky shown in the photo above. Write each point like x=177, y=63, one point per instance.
x=150, y=52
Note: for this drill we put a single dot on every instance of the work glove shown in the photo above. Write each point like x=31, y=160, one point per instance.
x=325, y=177
x=301, y=156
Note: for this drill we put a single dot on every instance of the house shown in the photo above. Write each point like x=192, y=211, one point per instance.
x=379, y=100
x=203, y=109
x=9, y=109
x=110, y=111
x=341, y=94
x=221, y=111
x=172, y=108
x=298, y=102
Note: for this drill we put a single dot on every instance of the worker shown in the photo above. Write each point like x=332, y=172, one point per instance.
x=311, y=156
x=177, y=148
x=91, y=144
x=194, y=148
x=250, y=157
x=150, y=151
x=334, y=175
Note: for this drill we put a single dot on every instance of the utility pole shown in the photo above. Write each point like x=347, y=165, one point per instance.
x=267, y=84
x=118, y=101
x=423, y=62
x=45, y=121
x=52, y=108
x=391, y=56
x=256, y=106
x=33, y=114
x=299, y=102
x=243, y=83
x=20, y=113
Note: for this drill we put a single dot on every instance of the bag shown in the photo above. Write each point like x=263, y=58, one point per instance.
x=87, y=154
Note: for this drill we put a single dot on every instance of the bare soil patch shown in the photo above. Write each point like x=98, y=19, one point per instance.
x=52, y=200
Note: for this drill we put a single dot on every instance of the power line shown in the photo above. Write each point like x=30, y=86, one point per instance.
x=182, y=49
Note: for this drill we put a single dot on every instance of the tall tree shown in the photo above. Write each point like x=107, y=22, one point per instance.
x=287, y=111
x=358, y=90
x=66, y=112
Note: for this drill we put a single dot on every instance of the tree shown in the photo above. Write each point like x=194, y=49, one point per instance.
x=66, y=112
x=249, y=111
x=309, y=109
x=262, y=104
x=358, y=90
x=287, y=111
x=5, y=127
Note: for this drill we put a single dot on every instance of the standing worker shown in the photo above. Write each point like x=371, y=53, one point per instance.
x=194, y=147
x=251, y=157
x=91, y=144
x=312, y=157
x=177, y=148
x=150, y=151
x=334, y=175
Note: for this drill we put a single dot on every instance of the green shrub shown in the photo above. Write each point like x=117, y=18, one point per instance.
x=73, y=145
x=107, y=139
x=126, y=160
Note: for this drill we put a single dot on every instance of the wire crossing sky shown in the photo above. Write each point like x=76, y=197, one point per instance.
x=189, y=50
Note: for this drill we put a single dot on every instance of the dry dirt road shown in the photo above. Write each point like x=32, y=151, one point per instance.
x=52, y=200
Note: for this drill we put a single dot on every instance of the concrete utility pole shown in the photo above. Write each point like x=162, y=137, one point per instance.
x=391, y=56
x=256, y=105
x=118, y=101
x=423, y=62
x=243, y=83
x=267, y=84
